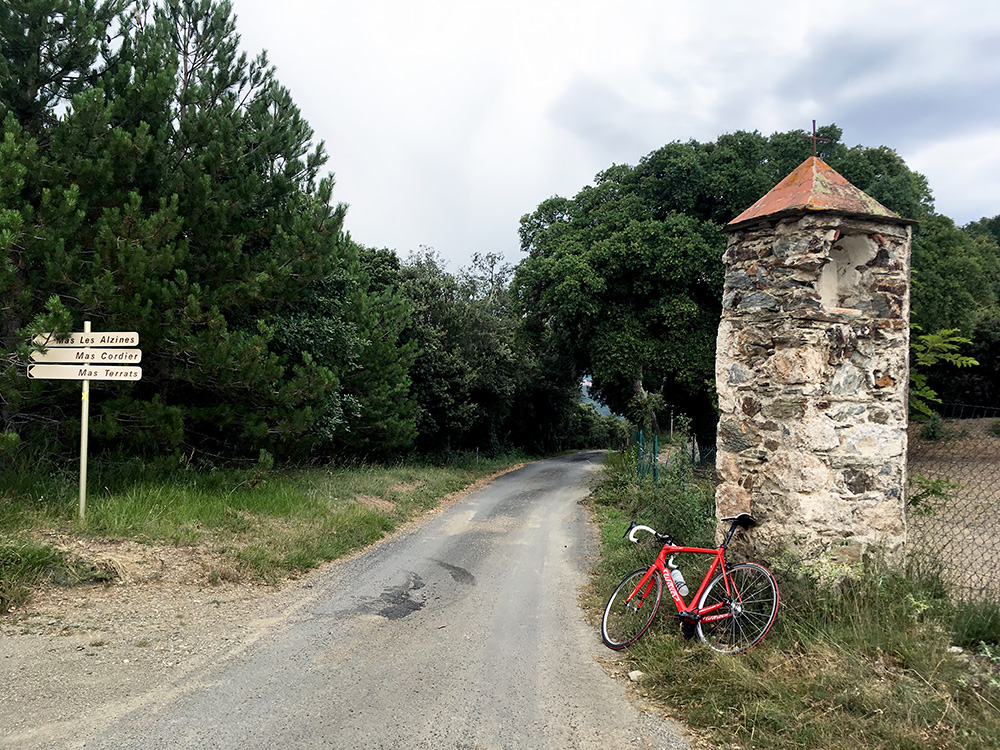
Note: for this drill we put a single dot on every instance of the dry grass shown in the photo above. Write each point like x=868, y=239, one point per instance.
x=377, y=503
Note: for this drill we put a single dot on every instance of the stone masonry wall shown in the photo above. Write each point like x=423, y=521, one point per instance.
x=812, y=371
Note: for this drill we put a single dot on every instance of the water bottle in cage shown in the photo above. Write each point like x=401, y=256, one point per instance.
x=675, y=573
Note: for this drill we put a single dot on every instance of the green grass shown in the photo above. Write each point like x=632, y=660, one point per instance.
x=25, y=563
x=860, y=661
x=265, y=524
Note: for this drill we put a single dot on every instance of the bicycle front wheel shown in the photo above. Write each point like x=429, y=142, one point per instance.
x=627, y=617
x=748, y=608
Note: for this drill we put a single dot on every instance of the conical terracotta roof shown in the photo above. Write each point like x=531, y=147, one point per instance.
x=815, y=186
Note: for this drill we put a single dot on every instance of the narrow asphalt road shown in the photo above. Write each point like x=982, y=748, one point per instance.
x=462, y=631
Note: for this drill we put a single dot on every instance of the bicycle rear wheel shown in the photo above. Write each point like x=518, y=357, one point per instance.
x=748, y=612
x=626, y=617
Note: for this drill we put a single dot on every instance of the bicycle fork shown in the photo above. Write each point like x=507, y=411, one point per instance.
x=638, y=597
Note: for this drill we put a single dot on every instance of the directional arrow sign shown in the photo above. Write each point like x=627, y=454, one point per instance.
x=83, y=372
x=100, y=338
x=98, y=356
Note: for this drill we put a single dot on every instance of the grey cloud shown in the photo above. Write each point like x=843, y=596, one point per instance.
x=906, y=104
x=599, y=116
x=839, y=60
x=911, y=118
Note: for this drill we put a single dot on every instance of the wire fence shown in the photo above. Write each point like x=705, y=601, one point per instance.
x=953, y=511
x=680, y=458
x=647, y=464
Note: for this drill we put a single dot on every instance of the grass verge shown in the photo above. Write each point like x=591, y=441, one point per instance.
x=25, y=563
x=868, y=659
x=266, y=525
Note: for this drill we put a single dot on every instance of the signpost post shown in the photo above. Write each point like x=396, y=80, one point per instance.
x=84, y=423
x=87, y=356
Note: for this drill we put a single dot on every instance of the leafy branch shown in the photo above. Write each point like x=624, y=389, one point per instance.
x=929, y=494
x=927, y=350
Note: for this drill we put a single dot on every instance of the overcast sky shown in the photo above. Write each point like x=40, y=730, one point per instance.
x=447, y=120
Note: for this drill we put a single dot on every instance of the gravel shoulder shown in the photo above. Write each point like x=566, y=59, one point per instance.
x=78, y=656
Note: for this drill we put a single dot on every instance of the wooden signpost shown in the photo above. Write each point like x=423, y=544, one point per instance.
x=88, y=338
x=83, y=372
x=97, y=356
x=86, y=356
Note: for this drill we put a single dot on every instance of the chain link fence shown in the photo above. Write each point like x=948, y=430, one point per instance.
x=953, y=506
x=646, y=454
x=679, y=458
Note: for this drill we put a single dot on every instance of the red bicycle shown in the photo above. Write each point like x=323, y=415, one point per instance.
x=736, y=602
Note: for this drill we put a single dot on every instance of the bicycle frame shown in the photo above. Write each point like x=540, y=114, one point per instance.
x=686, y=611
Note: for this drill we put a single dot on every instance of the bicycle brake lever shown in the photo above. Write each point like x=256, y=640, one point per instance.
x=628, y=530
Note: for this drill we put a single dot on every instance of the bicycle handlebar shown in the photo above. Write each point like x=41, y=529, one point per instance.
x=634, y=527
x=743, y=521
x=631, y=533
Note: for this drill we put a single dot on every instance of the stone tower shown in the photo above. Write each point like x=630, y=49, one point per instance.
x=812, y=368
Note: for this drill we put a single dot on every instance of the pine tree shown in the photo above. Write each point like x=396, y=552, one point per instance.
x=166, y=184
x=382, y=417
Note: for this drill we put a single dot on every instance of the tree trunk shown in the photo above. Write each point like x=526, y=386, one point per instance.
x=647, y=413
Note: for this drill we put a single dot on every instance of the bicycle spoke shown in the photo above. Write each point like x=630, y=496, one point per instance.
x=751, y=605
x=631, y=609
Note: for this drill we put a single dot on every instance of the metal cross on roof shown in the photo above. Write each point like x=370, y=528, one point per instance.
x=815, y=138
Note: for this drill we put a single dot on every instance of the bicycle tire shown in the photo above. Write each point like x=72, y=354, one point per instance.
x=752, y=608
x=623, y=624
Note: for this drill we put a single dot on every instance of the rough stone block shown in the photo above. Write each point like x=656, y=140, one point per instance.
x=731, y=500
x=756, y=301
x=791, y=245
x=797, y=471
x=796, y=366
x=738, y=374
x=846, y=380
x=739, y=280
x=736, y=436
x=726, y=467
x=817, y=434
x=873, y=440
x=785, y=409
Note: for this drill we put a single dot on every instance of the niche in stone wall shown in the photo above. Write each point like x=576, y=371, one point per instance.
x=843, y=282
